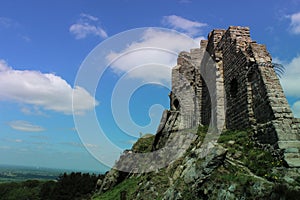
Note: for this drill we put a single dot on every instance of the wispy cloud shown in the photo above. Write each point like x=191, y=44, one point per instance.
x=7, y=23
x=48, y=91
x=295, y=23
x=25, y=126
x=90, y=17
x=76, y=144
x=131, y=142
x=33, y=110
x=192, y=28
x=87, y=25
x=10, y=24
x=18, y=140
x=13, y=140
x=39, y=137
x=25, y=38
x=185, y=1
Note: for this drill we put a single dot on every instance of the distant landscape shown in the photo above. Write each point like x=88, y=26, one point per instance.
x=9, y=173
x=20, y=182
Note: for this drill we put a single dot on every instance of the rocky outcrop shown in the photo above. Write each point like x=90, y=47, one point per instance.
x=234, y=167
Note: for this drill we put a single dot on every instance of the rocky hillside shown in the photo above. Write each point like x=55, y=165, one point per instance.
x=236, y=167
x=232, y=71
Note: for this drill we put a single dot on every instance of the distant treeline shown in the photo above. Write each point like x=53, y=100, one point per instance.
x=23, y=177
x=67, y=187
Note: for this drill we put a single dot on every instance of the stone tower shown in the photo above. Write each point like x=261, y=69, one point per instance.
x=230, y=83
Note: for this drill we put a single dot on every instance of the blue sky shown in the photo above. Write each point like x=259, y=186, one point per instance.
x=43, y=44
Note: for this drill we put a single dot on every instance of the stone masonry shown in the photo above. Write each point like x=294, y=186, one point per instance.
x=230, y=83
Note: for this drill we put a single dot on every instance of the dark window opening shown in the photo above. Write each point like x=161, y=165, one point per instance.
x=176, y=104
x=233, y=88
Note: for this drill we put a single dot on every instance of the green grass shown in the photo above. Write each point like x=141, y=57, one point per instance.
x=201, y=132
x=259, y=161
x=144, y=144
x=238, y=179
x=129, y=185
x=232, y=175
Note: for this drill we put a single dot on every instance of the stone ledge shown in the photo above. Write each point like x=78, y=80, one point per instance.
x=289, y=144
x=293, y=162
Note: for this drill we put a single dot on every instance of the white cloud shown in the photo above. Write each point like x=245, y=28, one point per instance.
x=151, y=51
x=295, y=23
x=48, y=91
x=4, y=66
x=296, y=109
x=290, y=80
x=87, y=25
x=83, y=30
x=192, y=28
x=25, y=126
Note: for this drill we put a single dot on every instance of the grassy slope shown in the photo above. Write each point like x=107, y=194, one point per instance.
x=250, y=166
x=128, y=185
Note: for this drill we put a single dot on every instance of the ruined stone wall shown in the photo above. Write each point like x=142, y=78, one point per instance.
x=196, y=57
x=254, y=96
x=231, y=79
x=235, y=76
x=185, y=97
x=211, y=70
x=186, y=90
x=272, y=115
x=203, y=93
x=183, y=90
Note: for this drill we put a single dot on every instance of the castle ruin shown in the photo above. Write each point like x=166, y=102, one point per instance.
x=230, y=83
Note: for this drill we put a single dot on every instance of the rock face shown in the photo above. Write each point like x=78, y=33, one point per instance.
x=230, y=83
